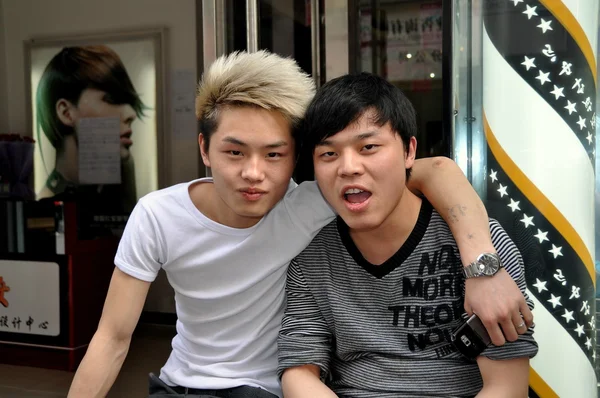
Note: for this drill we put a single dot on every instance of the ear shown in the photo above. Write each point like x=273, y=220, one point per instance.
x=409, y=156
x=66, y=112
x=203, y=150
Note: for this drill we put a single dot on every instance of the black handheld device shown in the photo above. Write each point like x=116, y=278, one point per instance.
x=471, y=338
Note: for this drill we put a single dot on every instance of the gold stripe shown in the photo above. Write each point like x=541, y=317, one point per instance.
x=537, y=198
x=538, y=385
x=570, y=23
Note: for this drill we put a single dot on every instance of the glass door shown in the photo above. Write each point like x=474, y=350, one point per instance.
x=284, y=27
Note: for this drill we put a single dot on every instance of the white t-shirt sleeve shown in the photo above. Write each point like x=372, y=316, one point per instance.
x=307, y=208
x=140, y=251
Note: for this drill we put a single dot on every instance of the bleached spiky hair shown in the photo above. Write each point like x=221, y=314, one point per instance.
x=260, y=79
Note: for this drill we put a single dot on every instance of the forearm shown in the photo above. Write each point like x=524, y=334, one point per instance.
x=100, y=366
x=450, y=193
x=301, y=382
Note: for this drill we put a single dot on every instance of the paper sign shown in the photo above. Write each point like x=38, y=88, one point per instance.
x=99, y=151
x=183, y=92
x=29, y=297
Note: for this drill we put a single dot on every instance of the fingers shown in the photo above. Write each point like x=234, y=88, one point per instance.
x=495, y=332
x=513, y=325
x=468, y=309
x=527, y=316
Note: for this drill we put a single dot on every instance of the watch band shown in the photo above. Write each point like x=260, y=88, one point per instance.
x=473, y=270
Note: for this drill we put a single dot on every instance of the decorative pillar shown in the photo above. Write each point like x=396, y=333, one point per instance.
x=539, y=103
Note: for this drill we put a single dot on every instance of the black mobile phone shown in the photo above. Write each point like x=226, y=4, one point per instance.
x=471, y=338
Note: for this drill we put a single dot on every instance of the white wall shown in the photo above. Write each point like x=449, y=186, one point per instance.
x=21, y=20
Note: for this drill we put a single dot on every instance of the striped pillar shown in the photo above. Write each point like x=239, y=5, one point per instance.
x=539, y=92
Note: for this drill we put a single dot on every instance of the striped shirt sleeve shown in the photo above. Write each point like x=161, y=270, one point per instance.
x=304, y=338
x=525, y=345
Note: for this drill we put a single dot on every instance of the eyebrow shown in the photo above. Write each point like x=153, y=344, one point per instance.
x=235, y=141
x=359, y=137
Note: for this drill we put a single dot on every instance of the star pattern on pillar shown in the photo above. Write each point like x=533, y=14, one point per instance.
x=568, y=300
x=573, y=96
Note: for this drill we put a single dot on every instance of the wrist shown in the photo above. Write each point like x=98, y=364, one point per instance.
x=470, y=254
x=486, y=264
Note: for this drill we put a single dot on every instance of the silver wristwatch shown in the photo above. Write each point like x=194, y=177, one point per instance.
x=487, y=264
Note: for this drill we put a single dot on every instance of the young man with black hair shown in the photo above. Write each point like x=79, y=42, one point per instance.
x=374, y=298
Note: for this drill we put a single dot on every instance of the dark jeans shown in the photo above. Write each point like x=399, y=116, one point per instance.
x=158, y=388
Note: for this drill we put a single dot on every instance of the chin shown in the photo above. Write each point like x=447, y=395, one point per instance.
x=256, y=212
x=361, y=223
x=125, y=153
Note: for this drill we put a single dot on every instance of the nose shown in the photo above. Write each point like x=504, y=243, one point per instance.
x=253, y=170
x=350, y=164
x=128, y=115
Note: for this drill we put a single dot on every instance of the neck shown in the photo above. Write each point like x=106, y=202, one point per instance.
x=67, y=162
x=379, y=244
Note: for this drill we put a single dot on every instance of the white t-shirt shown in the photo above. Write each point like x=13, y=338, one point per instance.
x=229, y=283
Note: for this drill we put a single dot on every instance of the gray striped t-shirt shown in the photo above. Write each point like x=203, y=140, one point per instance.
x=384, y=331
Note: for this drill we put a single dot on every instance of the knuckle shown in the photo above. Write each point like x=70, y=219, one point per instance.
x=504, y=317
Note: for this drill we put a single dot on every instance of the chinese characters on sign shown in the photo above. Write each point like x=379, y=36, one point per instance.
x=15, y=324
x=30, y=297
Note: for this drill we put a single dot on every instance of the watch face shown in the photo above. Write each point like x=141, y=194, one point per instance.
x=488, y=264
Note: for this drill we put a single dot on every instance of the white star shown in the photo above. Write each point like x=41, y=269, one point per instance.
x=581, y=123
x=529, y=62
x=514, y=205
x=493, y=175
x=540, y=286
x=579, y=330
x=502, y=190
x=568, y=315
x=545, y=25
x=554, y=301
x=516, y=1
x=588, y=343
x=543, y=77
x=556, y=251
x=592, y=323
x=527, y=220
x=558, y=92
x=589, y=137
x=530, y=11
x=541, y=235
x=570, y=107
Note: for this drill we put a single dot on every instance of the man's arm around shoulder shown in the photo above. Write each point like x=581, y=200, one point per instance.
x=108, y=348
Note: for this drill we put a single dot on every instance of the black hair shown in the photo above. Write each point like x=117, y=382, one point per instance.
x=343, y=101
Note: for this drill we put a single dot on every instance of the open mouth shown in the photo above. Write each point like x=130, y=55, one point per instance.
x=356, y=196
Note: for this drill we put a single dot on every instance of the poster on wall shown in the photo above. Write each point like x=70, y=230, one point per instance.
x=83, y=91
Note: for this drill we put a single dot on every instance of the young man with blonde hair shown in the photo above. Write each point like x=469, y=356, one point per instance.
x=225, y=242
